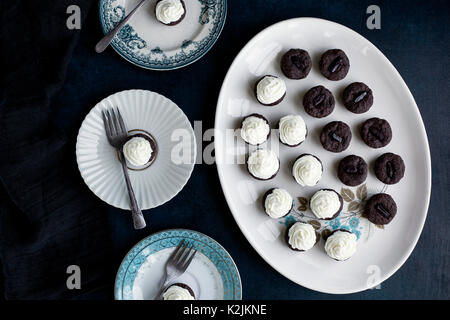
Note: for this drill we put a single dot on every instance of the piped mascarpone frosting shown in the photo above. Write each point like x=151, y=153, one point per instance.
x=168, y=11
x=270, y=89
x=302, y=236
x=278, y=203
x=325, y=204
x=137, y=151
x=341, y=245
x=177, y=293
x=263, y=163
x=292, y=130
x=307, y=170
x=255, y=130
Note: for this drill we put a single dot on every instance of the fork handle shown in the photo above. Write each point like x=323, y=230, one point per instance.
x=136, y=213
x=106, y=40
x=163, y=287
x=158, y=296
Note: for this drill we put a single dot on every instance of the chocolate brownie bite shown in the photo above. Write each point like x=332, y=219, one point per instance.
x=334, y=64
x=352, y=170
x=170, y=12
x=255, y=129
x=277, y=203
x=296, y=64
x=389, y=168
x=270, y=90
x=301, y=236
x=336, y=136
x=358, y=97
x=380, y=209
x=376, y=133
x=318, y=102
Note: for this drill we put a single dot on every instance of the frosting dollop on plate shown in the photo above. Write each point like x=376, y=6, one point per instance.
x=325, y=204
x=302, y=236
x=292, y=130
x=255, y=129
x=270, y=90
x=278, y=203
x=169, y=11
x=263, y=164
x=307, y=170
x=137, y=151
x=341, y=245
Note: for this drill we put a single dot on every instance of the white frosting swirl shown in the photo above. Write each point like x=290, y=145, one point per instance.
x=292, y=130
x=278, y=203
x=325, y=203
x=168, y=11
x=307, y=170
x=177, y=293
x=302, y=236
x=270, y=89
x=341, y=245
x=263, y=163
x=137, y=151
x=254, y=130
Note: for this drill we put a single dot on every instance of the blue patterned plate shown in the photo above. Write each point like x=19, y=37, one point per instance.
x=212, y=274
x=149, y=44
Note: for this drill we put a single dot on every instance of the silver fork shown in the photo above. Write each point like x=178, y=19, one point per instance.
x=117, y=136
x=176, y=265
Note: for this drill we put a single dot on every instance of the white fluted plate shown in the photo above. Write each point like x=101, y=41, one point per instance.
x=176, y=150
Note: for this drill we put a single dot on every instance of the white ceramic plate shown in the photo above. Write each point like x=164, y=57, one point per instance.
x=146, y=112
x=212, y=274
x=149, y=44
x=380, y=251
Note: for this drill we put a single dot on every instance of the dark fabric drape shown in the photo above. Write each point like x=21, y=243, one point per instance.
x=48, y=217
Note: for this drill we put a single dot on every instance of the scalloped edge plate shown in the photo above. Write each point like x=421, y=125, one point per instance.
x=165, y=177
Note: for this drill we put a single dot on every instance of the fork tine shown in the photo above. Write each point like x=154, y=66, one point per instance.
x=121, y=123
x=176, y=259
x=185, y=256
x=112, y=124
x=174, y=252
x=106, y=124
x=189, y=260
x=116, y=122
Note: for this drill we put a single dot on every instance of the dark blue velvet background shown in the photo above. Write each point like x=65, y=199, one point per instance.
x=414, y=36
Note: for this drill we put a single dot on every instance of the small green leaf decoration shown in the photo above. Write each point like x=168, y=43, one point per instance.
x=302, y=208
x=361, y=192
x=326, y=233
x=316, y=224
x=303, y=201
x=380, y=226
x=347, y=195
x=354, y=206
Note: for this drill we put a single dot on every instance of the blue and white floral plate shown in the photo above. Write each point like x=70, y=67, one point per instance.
x=212, y=274
x=149, y=44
